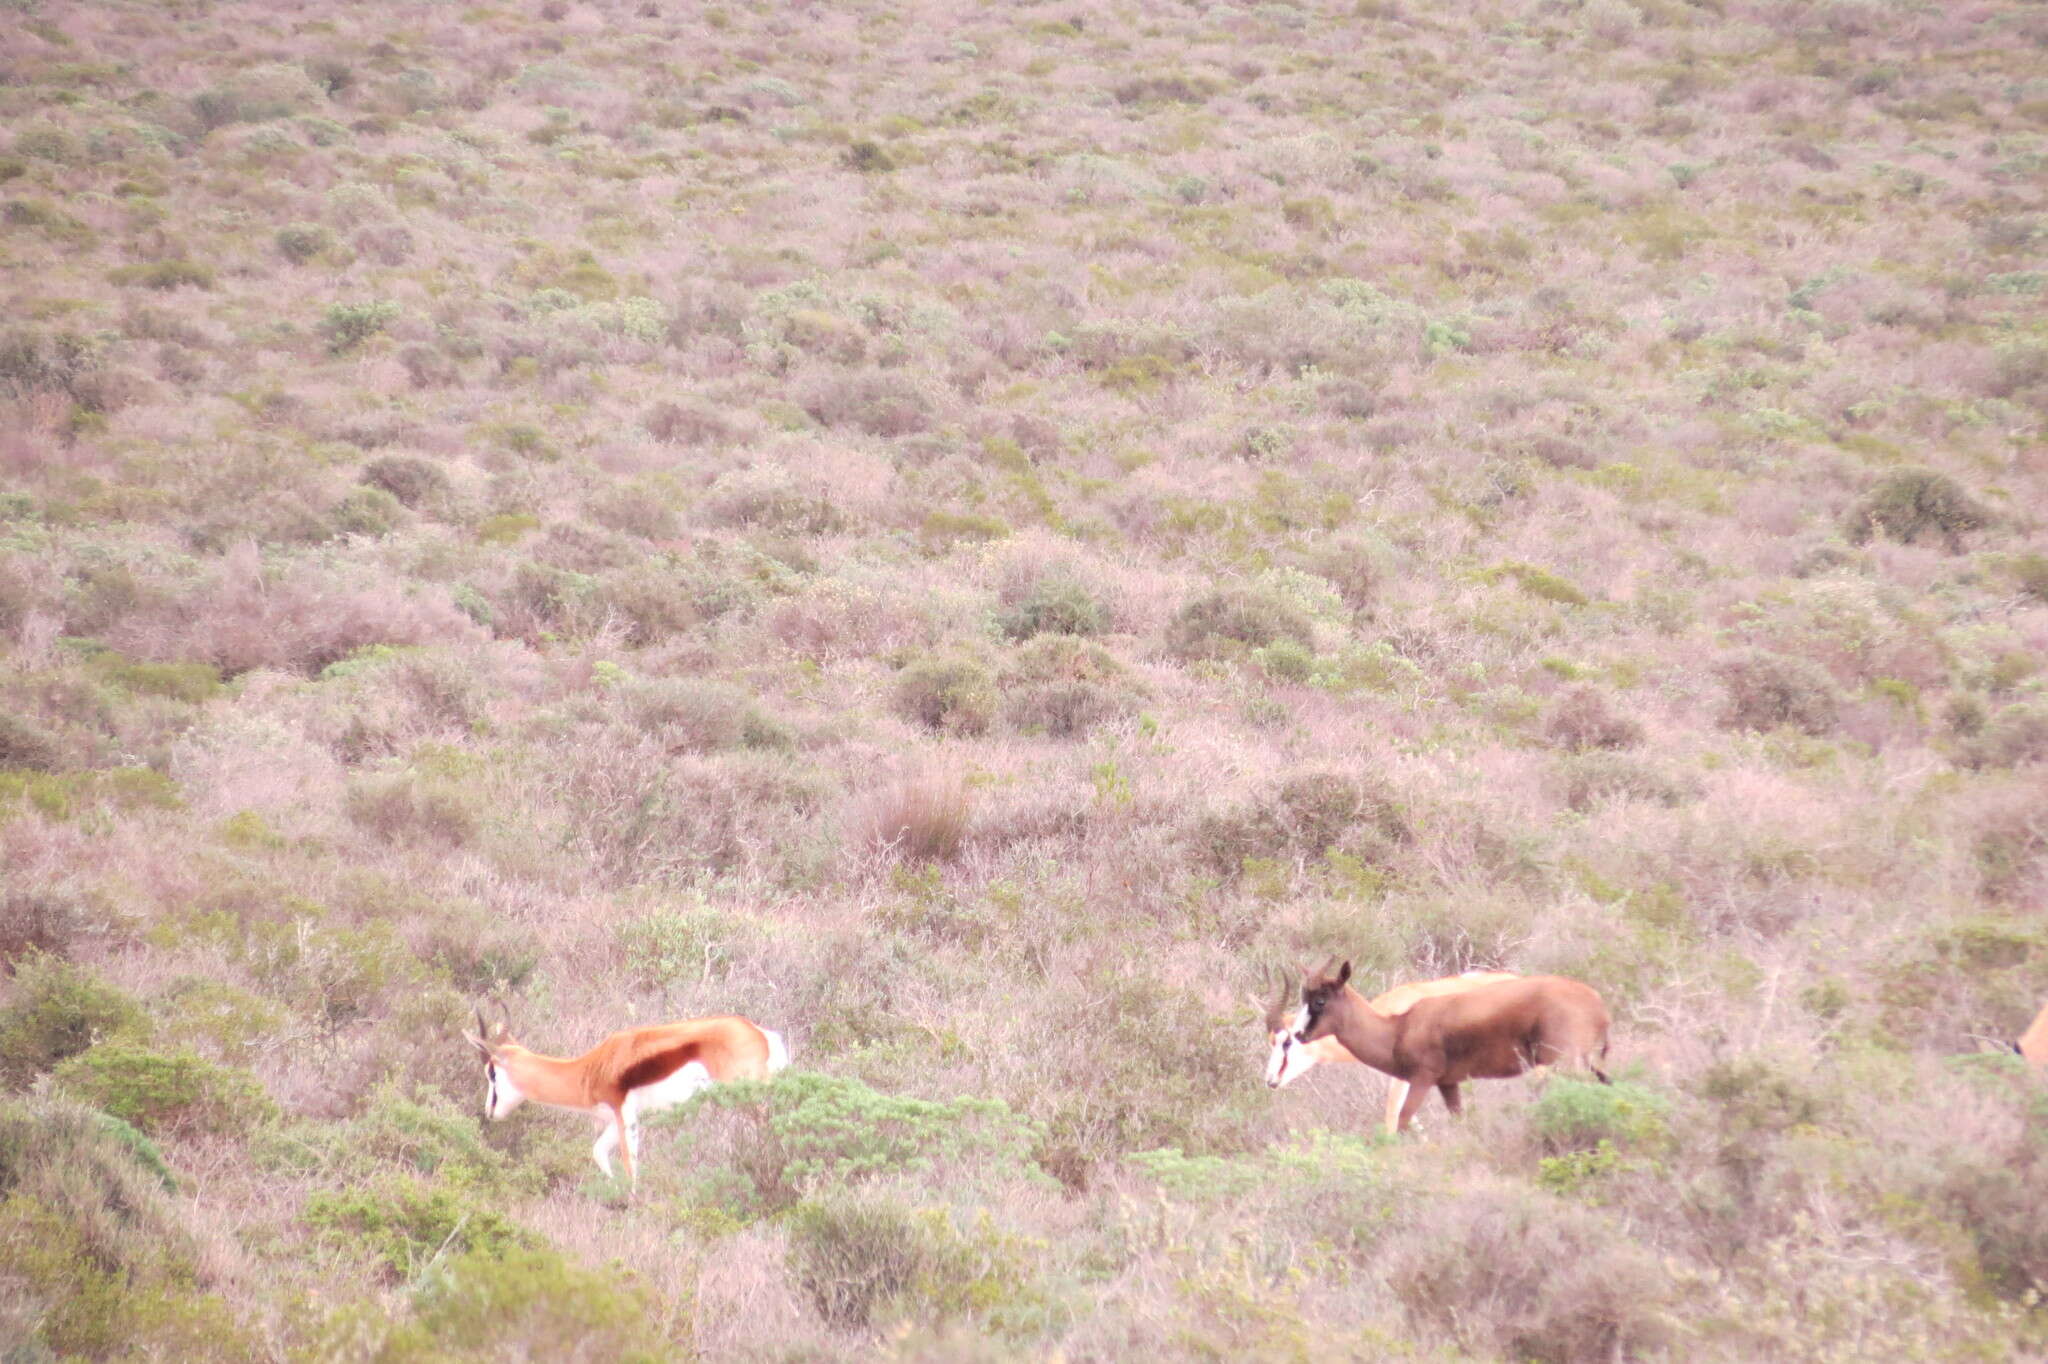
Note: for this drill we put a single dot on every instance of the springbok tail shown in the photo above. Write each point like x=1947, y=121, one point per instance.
x=778, y=1050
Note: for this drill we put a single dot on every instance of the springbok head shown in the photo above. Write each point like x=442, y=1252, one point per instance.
x=492, y=1039
x=1319, y=990
x=1287, y=1060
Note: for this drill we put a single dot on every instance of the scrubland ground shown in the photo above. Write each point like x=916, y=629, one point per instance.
x=968, y=533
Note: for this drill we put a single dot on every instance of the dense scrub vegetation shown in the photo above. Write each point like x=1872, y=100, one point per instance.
x=967, y=533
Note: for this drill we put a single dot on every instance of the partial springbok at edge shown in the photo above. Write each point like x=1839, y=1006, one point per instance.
x=629, y=1073
x=1289, y=1059
x=2033, y=1043
x=1490, y=1032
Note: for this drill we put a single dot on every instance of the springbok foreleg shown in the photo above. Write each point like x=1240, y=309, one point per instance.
x=1397, y=1093
x=1452, y=1099
x=1418, y=1090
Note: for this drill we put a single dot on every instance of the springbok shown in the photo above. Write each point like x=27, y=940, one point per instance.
x=1290, y=1059
x=1490, y=1032
x=629, y=1073
x=2033, y=1043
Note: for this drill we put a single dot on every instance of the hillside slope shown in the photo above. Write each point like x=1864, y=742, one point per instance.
x=970, y=534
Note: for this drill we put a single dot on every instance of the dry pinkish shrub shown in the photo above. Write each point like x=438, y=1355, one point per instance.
x=1584, y=718
x=674, y=423
x=1766, y=691
x=923, y=818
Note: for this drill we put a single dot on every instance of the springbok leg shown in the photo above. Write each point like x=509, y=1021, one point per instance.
x=1418, y=1090
x=1397, y=1091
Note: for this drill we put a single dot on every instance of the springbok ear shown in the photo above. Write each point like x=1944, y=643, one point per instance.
x=1344, y=973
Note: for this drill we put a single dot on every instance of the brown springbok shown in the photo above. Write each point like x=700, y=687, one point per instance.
x=627, y=1074
x=1289, y=1059
x=1491, y=1032
x=2033, y=1043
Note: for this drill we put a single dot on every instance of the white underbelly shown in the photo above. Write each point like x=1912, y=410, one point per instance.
x=673, y=1090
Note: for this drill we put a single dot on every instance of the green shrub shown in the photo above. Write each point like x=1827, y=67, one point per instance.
x=59, y=1011
x=164, y=275
x=1232, y=621
x=2030, y=571
x=947, y=694
x=366, y=511
x=1767, y=691
x=698, y=716
x=1538, y=582
x=1575, y=1114
x=866, y=1261
x=1527, y=1277
x=1589, y=778
x=665, y=947
x=1064, y=686
x=409, y=478
x=348, y=325
x=300, y=242
x=177, y=1091
x=193, y=683
x=1306, y=815
x=814, y=1132
x=1911, y=503
x=94, y=1246
x=1056, y=605
x=406, y=1223
x=28, y=746
x=401, y=806
x=516, y=1303
x=2013, y=735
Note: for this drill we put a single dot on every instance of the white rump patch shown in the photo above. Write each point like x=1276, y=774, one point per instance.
x=778, y=1050
x=667, y=1093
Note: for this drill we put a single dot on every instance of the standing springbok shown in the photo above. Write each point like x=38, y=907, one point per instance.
x=1290, y=1059
x=1491, y=1032
x=2033, y=1043
x=629, y=1073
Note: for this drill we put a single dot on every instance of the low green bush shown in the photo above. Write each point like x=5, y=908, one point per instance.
x=1056, y=604
x=812, y=1132
x=1232, y=621
x=1527, y=1277
x=174, y=1091
x=1577, y=1114
x=1062, y=686
x=59, y=1011
x=866, y=1261
x=526, y=1303
x=1910, y=504
x=407, y=1223
x=95, y=1245
x=947, y=694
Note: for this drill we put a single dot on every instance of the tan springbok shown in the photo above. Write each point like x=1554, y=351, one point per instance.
x=1491, y=1032
x=2033, y=1043
x=629, y=1073
x=1288, y=1059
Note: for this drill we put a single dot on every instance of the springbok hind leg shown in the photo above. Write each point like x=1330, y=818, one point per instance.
x=607, y=1142
x=1452, y=1099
